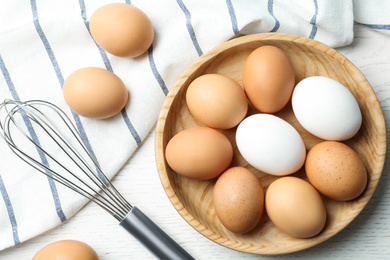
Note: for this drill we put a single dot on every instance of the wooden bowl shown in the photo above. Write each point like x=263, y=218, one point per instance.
x=193, y=199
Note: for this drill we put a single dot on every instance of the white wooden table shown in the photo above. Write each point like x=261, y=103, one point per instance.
x=367, y=237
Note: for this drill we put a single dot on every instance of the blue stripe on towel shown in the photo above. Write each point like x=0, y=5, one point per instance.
x=377, y=26
x=271, y=11
x=60, y=77
x=3, y=190
x=313, y=21
x=54, y=63
x=131, y=128
x=43, y=158
x=155, y=71
x=45, y=42
x=108, y=66
x=52, y=184
x=58, y=72
x=190, y=28
x=10, y=211
x=103, y=54
x=233, y=17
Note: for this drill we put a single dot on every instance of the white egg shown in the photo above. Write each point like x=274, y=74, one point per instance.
x=326, y=108
x=270, y=144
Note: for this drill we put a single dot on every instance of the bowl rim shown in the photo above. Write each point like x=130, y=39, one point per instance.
x=211, y=54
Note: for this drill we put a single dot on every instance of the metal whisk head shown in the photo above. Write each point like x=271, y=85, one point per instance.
x=42, y=135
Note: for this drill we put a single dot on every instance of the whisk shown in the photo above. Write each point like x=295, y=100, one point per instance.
x=43, y=136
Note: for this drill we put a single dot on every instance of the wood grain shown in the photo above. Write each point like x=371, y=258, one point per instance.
x=193, y=199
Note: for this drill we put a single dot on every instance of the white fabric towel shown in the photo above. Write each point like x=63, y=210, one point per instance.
x=43, y=41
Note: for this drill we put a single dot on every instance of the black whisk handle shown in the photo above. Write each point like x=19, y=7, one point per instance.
x=153, y=237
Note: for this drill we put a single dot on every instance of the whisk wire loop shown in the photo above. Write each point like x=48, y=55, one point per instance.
x=70, y=163
x=98, y=188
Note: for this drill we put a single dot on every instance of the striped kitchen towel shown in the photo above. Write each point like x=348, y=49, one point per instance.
x=373, y=14
x=42, y=42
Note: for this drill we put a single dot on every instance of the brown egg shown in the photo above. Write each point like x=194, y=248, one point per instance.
x=95, y=93
x=121, y=29
x=199, y=153
x=217, y=101
x=268, y=78
x=336, y=170
x=294, y=206
x=238, y=199
x=66, y=250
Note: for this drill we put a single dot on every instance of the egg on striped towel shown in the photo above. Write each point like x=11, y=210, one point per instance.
x=122, y=29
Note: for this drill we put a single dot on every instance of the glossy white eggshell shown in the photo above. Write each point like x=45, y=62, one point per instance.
x=270, y=144
x=326, y=108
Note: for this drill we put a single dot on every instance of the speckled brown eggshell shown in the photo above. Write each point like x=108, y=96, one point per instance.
x=268, y=78
x=199, y=153
x=238, y=199
x=217, y=101
x=336, y=170
x=66, y=250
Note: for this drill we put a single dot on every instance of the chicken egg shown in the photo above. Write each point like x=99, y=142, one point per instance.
x=95, y=93
x=326, y=108
x=200, y=153
x=66, y=250
x=217, y=101
x=268, y=78
x=295, y=207
x=238, y=199
x=336, y=170
x=122, y=29
x=270, y=144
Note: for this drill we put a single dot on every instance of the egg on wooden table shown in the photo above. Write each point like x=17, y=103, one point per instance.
x=200, y=153
x=326, y=108
x=122, y=29
x=270, y=144
x=217, y=101
x=238, y=199
x=95, y=93
x=336, y=170
x=268, y=78
x=295, y=207
x=66, y=250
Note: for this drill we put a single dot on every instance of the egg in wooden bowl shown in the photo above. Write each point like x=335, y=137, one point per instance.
x=193, y=199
